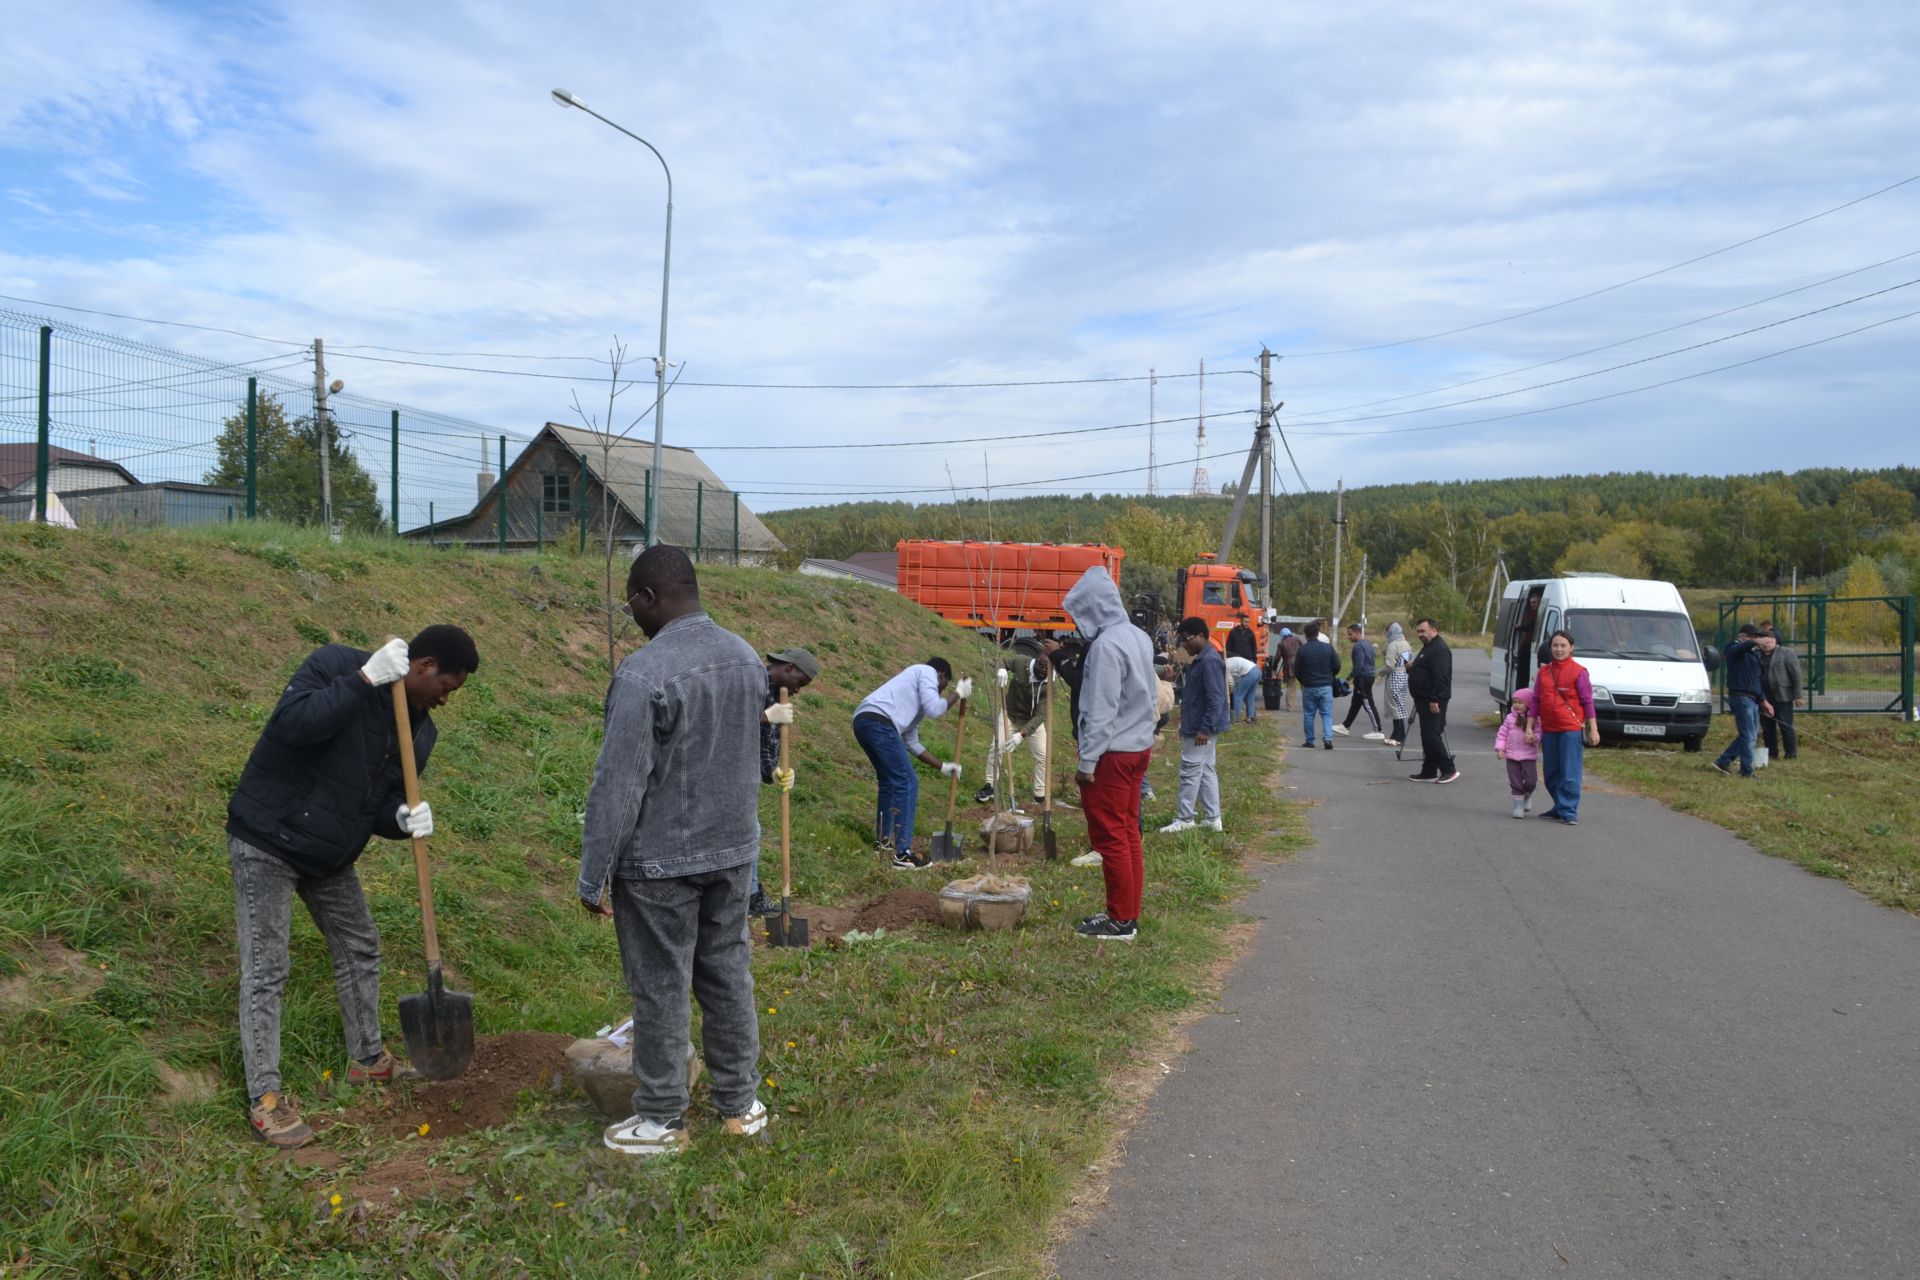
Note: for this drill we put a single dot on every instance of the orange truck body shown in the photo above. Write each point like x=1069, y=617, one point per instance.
x=1004, y=585
x=1224, y=595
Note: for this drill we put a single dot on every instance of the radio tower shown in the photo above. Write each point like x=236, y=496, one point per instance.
x=1202, y=487
x=1153, y=462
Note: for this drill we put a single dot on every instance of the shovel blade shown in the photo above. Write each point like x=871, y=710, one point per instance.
x=944, y=848
x=786, y=931
x=438, y=1027
x=1047, y=842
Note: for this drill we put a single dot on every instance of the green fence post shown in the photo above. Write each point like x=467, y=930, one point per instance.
x=699, y=501
x=736, y=528
x=1906, y=657
x=430, y=524
x=253, y=448
x=396, y=473
x=580, y=507
x=43, y=447
x=500, y=493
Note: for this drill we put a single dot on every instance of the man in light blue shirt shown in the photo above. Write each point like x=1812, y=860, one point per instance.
x=887, y=726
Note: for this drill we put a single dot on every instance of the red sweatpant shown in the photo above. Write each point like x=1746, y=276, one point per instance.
x=1112, y=806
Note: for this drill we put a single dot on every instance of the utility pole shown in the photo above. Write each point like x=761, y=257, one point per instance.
x=1153, y=462
x=323, y=434
x=1266, y=475
x=1339, y=537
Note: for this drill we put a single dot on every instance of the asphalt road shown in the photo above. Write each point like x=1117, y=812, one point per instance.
x=1468, y=1046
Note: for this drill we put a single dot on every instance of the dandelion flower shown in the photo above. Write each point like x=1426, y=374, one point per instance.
x=334, y=1199
x=517, y=1199
x=771, y=1009
x=423, y=1130
x=337, y=1211
x=326, y=1075
x=793, y=1044
x=559, y=1204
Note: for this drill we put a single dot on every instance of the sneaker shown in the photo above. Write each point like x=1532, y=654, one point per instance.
x=761, y=905
x=639, y=1136
x=1091, y=858
x=1420, y=777
x=911, y=862
x=1084, y=921
x=384, y=1069
x=277, y=1123
x=1377, y=736
x=1039, y=797
x=1550, y=813
x=1722, y=768
x=1572, y=822
x=1342, y=730
x=1391, y=742
x=1176, y=826
x=1148, y=794
x=1214, y=825
x=1104, y=928
x=1328, y=744
x=1445, y=778
x=745, y=1126
x=984, y=795
x=1308, y=744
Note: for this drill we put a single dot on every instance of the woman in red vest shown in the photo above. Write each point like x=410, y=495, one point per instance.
x=1562, y=720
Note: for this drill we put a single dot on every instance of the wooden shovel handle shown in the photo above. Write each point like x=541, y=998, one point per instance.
x=786, y=811
x=953, y=783
x=410, y=776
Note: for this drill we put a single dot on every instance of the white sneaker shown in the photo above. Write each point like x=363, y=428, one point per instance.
x=1215, y=825
x=1375, y=736
x=1091, y=858
x=1342, y=730
x=639, y=1136
x=1178, y=824
x=749, y=1124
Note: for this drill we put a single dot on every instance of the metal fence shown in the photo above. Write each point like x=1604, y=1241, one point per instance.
x=97, y=400
x=1856, y=652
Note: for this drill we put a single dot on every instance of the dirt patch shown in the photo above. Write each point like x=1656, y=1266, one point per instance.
x=194, y=1084
x=503, y=1067
x=409, y=1177
x=55, y=974
x=894, y=909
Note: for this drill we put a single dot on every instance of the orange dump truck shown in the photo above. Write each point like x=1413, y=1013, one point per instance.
x=1004, y=585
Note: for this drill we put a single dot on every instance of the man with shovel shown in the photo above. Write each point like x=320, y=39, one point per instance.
x=325, y=777
x=1022, y=679
x=672, y=832
x=791, y=670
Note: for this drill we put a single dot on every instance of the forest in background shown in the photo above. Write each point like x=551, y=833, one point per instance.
x=1435, y=544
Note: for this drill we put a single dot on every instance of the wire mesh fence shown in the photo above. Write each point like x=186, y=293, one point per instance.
x=1857, y=653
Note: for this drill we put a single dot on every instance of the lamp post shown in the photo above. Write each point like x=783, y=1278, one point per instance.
x=566, y=99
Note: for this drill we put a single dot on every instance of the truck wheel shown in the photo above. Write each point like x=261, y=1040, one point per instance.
x=1690, y=745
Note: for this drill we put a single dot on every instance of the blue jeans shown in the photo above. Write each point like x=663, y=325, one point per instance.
x=899, y=784
x=1746, y=724
x=1561, y=757
x=1317, y=701
x=1245, y=690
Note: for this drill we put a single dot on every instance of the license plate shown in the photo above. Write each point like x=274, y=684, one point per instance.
x=1645, y=730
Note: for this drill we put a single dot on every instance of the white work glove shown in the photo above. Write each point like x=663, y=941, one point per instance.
x=388, y=663
x=417, y=821
x=964, y=689
x=778, y=713
x=1013, y=741
x=1003, y=677
x=951, y=769
x=783, y=778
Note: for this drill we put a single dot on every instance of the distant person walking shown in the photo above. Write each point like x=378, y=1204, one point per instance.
x=886, y=724
x=1116, y=745
x=1364, y=672
x=1289, y=649
x=1561, y=723
x=1745, y=697
x=1203, y=718
x=1399, y=657
x=1430, y=681
x=1243, y=678
x=1522, y=757
x=1781, y=680
x=1317, y=666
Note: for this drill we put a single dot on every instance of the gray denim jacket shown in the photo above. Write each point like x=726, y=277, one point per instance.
x=676, y=791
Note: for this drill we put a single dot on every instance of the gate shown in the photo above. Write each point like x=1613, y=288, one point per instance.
x=1856, y=651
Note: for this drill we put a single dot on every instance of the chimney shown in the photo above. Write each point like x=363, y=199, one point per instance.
x=484, y=481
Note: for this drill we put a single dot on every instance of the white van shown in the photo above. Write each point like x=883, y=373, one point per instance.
x=1648, y=667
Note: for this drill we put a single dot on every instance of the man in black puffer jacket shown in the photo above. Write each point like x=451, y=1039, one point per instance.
x=323, y=779
x=1430, y=682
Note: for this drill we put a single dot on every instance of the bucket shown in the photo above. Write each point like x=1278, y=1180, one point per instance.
x=1270, y=694
x=1759, y=757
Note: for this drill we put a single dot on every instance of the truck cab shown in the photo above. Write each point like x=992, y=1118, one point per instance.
x=1225, y=595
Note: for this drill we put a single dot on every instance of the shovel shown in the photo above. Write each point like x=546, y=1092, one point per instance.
x=1047, y=841
x=437, y=1023
x=944, y=847
x=786, y=929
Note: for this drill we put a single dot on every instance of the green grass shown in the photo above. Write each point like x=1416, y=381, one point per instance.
x=937, y=1094
x=1847, y=807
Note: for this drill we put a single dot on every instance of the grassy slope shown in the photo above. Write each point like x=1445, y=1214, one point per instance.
x=937, y=1094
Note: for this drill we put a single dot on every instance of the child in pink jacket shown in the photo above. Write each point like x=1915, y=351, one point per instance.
x=1522, y=757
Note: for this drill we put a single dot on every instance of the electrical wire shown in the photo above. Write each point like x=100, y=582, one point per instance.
x=915, y=444
x=1595, y=293
x=177, y=324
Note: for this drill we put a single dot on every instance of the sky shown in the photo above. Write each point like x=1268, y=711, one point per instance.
x=1425, y=211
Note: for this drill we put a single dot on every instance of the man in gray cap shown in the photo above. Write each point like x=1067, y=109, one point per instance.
x=792, y=670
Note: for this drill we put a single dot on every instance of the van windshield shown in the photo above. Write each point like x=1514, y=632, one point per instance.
x=1632, y=633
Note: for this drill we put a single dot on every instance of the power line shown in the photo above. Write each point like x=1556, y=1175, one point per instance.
x=915, y=444
x=177, y=324
x=1614, y=395
x=1564, y=302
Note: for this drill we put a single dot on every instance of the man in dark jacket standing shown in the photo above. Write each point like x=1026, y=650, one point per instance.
x=1781, y=680
x=672, y=830
x=323, y=779
x=1242, y=643
x=1203, y=718
x=1317, y=666
x=1430, y=682
x=1745, y=697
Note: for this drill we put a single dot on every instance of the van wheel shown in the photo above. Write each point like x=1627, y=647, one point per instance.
x=1690, y=745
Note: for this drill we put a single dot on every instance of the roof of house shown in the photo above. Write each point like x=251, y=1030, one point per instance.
x=883, y=576
x=17, y=463
x=621, y=465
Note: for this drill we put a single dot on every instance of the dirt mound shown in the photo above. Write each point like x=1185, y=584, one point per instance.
x=503, y=1067
x=54, y=974
x=895, y=909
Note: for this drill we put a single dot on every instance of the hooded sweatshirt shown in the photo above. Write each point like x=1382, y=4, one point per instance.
x=1117, y=680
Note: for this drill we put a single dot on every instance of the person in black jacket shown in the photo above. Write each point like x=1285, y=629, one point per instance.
x=322, y=780
x=1242, y=643
x=1430, y=681
x=1316, y=665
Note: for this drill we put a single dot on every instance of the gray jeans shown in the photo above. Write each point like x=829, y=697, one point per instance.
x=680, y=932
x=263, y=889
x=1199, y=782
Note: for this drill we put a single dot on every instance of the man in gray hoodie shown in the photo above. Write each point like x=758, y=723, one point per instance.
x=1115, y=735
x=672, y=833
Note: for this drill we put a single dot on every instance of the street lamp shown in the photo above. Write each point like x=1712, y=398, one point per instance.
x=566, y=99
